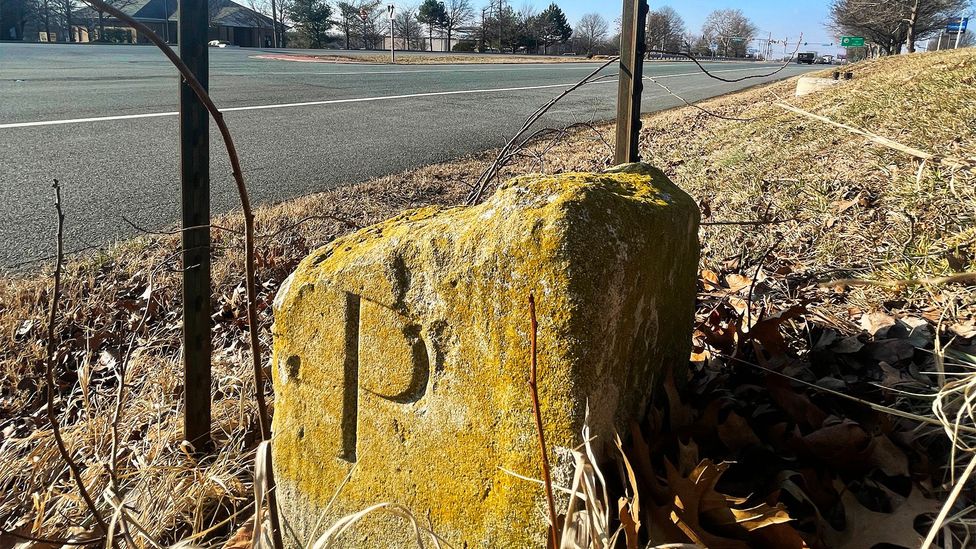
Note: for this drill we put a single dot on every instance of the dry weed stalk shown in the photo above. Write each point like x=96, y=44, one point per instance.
x=955, y=163
x=958, y=278
x=50, y=365
x=955, y=408
x=537, y=412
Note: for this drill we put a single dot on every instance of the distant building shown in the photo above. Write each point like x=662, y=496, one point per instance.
x=229, y=21
x=422, y=42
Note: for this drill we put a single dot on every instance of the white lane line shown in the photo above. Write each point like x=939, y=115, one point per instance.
x=423, y=71
x=418, y=71
x=324, y=102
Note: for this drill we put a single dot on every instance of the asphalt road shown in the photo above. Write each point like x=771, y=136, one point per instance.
x=101, y=119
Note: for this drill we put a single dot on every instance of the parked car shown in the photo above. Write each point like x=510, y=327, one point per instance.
x=806, y=57
x=218, y=43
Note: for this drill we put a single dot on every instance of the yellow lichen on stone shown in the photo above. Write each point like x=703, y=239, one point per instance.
x=401, y=351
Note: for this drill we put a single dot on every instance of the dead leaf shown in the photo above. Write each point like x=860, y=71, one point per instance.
x=737, y=282
x=889, y=458
x=867, y=528
x=736, y=433
x=842, y=206
x=892, y=377
x=767, y=333
x=844, y=445
x=797, y=406
x=847, y=345
x=710, y=518
x=24, y=329
x=891, y=351
x=877, y=323
x=710, y=279
x=242, y=537
x=628, y=523
x=914, y=330
x=965, y=330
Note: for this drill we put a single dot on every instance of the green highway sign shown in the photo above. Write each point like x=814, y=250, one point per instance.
x=852, y=41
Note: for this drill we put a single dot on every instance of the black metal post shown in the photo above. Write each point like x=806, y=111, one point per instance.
x=632, y=48
x=195, y=178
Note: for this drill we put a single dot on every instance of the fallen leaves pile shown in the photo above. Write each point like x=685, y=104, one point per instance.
x=769, y=440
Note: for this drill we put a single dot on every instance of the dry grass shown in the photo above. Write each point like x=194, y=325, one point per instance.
x=851, y=209
x=842, y=208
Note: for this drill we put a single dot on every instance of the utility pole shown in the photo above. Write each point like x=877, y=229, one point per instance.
x=274, y=24
x=501, y=41
x=630, y=80
x=166, y=21
x=961, y=28
x=195, y=186
x=390, y=8
x=363, y=15
x=484, y=30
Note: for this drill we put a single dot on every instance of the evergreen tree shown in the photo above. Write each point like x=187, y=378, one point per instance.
x=313, y=19
x=555, y=28
x=433, y=14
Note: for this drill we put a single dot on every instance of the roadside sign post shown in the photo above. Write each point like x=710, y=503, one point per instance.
x=364, y=16
x=852, y=41
x=390, y=9
x=630, y=80
x=195, y=190
x=957, y=26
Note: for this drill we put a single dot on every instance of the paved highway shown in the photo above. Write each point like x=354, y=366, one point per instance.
x=101, y=119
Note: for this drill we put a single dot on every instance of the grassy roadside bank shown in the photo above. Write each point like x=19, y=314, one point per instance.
x=791, y=203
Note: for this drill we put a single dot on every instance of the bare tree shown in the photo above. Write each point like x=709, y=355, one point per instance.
x=277, y=11
x=592, y=31
x=731, y=29
x=408, y=29
x=348, y=14
x=68, y=7
x=665, y=29
x=890, y=24
x=456, y=14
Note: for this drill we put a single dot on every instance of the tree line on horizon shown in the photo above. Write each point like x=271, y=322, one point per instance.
x=888, y=27
x=499, y=27
x=363, y=24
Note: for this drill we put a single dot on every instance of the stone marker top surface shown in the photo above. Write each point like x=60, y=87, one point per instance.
x=639, y=182
x=401, y=351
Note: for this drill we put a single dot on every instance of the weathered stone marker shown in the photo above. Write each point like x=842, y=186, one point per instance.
x=401, y=351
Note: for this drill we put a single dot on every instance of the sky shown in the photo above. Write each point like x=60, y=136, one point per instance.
x=782, y=18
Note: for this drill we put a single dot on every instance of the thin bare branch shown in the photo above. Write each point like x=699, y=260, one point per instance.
x=52, y=360
x=958, y=163
x=732, y=80
x=492, y=170
x=958, y=278
x=534, y=390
